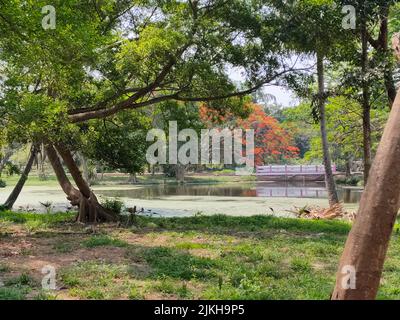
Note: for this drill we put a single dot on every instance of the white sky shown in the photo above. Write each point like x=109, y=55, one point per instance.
x=283, y=96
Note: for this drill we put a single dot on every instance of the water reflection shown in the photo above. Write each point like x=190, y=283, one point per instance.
x=276, y=189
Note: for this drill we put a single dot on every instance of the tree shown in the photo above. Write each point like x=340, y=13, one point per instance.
x=322, y=23
x=381, y=44
x=370, y=11
x=369, y=75
x=299, y=121
x=186, y=115
x=122, y=55
x=118, y=143
x=273, y=144
x=344, y=124
x=366, y=246
x=12, y=198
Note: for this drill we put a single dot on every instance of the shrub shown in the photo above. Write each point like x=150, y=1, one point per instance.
x=351, y=181
x=3, y=184
x=113, y=205
x=11, y=169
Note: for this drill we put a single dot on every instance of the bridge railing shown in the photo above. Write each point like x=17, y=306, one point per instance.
x=271, y=170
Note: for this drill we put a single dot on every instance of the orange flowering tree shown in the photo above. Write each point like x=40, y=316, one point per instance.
x=273, y=144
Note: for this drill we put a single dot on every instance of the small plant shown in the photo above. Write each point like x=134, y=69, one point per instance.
x=300, y=265
x=113, y=205
x=48, y=206
x=22, y=280
x=34, y=225
x=43, y=295
x=3, y=184
x=135, y=294
x=11, y=294
x=183, y=291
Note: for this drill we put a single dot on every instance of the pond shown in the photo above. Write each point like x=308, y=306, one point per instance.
x=261, y=189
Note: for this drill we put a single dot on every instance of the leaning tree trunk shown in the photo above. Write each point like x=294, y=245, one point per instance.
x=329, y=181
x=368, y=241
x=73, y=195
x=21, y=182
x=90, y=211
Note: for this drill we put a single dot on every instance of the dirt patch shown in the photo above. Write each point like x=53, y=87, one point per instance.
x=28, y=254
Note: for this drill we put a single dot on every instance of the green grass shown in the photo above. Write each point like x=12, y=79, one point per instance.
x=203, y=257
x=102, y=241
x=12, y=294
x=20, y=281
x=33, y=180
x=35, y=219
x=63, y=247
x=16, y=288
x=245, y=258
x=225, y=223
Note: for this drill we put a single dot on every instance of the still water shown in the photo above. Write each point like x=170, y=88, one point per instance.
x=261, y=189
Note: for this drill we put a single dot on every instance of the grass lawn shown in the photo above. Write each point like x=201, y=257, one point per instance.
x=216, y=257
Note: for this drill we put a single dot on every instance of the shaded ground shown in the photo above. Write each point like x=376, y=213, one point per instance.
x=215, y=257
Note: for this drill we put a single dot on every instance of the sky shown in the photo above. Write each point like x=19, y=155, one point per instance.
x=283, y=96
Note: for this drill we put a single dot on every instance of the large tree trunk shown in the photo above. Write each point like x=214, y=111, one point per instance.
x=73, y=195
x=368, y=241
x=329, y=181
x=366, y=103
x=21, y=182
x=90, y=211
